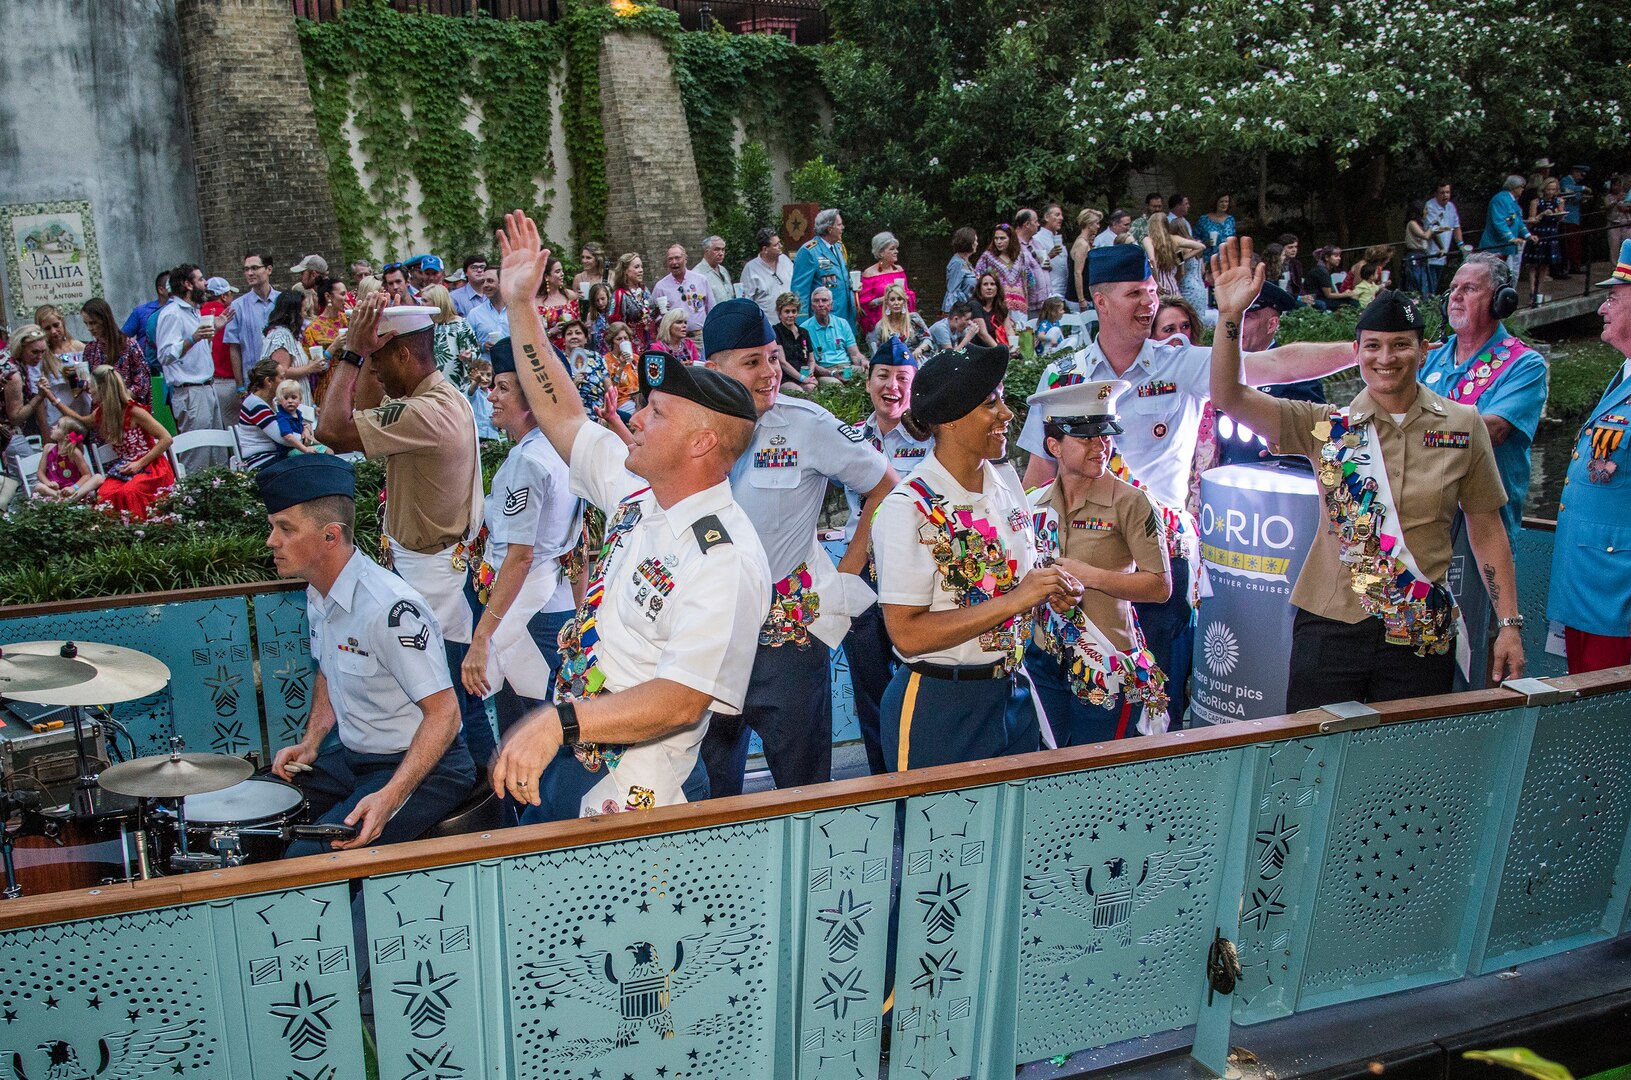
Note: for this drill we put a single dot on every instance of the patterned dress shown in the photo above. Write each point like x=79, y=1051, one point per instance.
x=1015, y=280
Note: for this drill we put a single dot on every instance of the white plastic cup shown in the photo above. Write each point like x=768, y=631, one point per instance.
x=855, y=280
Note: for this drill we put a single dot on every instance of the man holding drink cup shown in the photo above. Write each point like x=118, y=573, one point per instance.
x=184, y=336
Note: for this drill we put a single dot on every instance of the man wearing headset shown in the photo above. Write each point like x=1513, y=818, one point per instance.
x=1484, y=366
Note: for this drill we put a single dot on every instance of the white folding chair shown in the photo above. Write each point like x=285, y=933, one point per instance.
x=28, y=466
x=194, y=440
x=104, y=456
x=1074, y=324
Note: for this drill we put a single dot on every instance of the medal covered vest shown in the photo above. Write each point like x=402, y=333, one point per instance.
x=580, y=675
x=1094, y=668
x=1359, y=502
x=973, y=565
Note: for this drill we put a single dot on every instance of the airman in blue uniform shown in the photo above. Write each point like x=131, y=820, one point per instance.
x=824, y=262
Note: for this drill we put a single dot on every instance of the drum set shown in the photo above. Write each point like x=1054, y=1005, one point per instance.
x=73, y=821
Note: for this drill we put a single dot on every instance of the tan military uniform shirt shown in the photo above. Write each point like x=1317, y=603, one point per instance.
x=428, y=441
x=1122, y=535
x=1429, y=484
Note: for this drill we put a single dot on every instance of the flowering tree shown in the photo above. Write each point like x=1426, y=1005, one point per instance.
x=978, y=104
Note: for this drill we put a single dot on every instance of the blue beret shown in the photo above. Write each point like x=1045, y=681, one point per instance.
x=894, y=353
x=1118, y=262
x=1392, y=312
x=735, y=324
x=502, y=354
x=301, y=478
x=952, y=383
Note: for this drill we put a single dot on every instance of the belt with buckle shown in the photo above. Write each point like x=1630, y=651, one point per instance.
x=960, y=672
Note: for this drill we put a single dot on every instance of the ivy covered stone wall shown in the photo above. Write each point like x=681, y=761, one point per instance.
x=433, y=126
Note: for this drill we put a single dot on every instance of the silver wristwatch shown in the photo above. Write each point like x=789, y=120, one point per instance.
x=1516, y=620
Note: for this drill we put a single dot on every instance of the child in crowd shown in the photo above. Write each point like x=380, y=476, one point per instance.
x=481, y=381
x=65, y=474
x=1050, y=336
x=291, y=423
x=1369, y=283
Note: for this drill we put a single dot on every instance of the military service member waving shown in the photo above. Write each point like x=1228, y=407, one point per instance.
x=1375, y=620
x=669, y=625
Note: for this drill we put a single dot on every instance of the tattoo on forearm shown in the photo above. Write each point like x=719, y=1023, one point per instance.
x=540, y=370
x=1232, y=329
x=1489, y=583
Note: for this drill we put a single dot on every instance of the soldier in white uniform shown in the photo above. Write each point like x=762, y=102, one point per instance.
x=381, y=750
x=533, y=519
x=958, y=577
x=781, y=483
x=667, y=630
x=1161, y=421
x=867, y=647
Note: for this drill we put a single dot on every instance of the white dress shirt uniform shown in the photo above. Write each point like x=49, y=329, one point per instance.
x=380, y=650
x=679, y=605
x=1161, y=415
x=781, y=484
x=907, y=573
x=531, y=504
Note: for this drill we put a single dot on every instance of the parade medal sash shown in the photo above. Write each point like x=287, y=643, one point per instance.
x=1384, y=574
x=1484, y=369
x=794, y=605
x=1094, y=668
x=581, y=675
x=1183, y=536
x=472, y=556
x=973, y=564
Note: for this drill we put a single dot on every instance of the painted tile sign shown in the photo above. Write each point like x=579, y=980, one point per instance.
x=51, y=255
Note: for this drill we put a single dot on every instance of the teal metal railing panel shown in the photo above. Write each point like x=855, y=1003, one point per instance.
x=1563, y=851
x=1408, y=846
x=211, y=702
x=287, y=671
x=986, y=925
x=1122, y=879
x=1533, y=556
x=253, y=988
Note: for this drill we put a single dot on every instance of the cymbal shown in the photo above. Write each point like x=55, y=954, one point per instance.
x=27, y=673
x=166, y=776
x=120, y=674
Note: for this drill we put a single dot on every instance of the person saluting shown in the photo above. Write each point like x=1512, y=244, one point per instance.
x=668, y=628
x=1374, y=618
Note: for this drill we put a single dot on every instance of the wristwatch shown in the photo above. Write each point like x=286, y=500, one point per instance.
x=353, y=359
x=567, y=713
x=1516, y=620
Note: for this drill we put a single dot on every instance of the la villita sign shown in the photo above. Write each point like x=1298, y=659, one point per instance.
x=51, y=255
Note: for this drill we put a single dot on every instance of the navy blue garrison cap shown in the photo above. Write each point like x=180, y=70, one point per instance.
x=1118, y=262
x=502, y=354
x=301, y=478
x=735, y=324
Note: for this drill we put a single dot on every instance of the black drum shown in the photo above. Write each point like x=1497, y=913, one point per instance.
x=55, y=850
x=217, y=822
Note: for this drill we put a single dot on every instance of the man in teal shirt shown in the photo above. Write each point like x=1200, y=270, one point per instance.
x=1504, y=230
x=1484, y=366
x=831, y=338
x=823, y=263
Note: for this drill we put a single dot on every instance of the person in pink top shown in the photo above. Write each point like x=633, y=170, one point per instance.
x=876, y=279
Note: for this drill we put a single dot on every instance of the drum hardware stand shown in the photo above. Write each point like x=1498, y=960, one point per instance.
x=10, y=801
x=81, y=802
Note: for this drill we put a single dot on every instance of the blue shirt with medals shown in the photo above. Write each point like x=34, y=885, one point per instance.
x=822, y=264
x=1591, y=554
x=1516, y=392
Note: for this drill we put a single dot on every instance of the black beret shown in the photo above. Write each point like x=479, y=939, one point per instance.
x=1275, y=297
x=711, y=389
x=502, y=355
x=735, y=324
x=1393, y=311
x=301, y=478
x=951, y=384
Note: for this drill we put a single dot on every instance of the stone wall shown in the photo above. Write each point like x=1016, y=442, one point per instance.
x=654, y=197
x=262, y=177
x=92, y=108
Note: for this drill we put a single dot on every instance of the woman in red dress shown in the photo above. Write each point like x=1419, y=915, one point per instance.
x=142, y=472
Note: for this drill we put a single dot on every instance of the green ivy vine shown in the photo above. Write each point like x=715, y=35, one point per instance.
x=408, y=83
